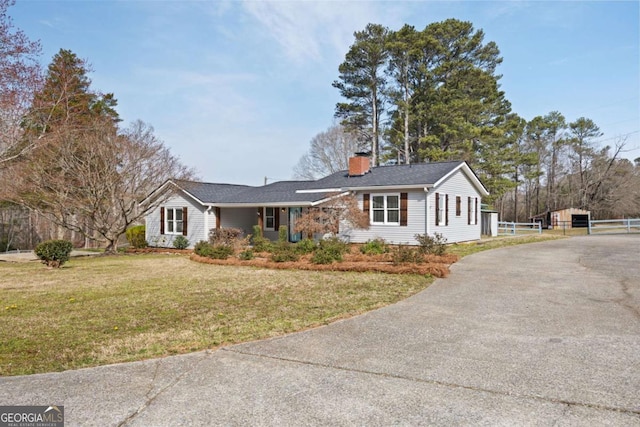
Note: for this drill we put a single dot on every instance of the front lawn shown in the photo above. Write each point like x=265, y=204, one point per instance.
x=101, y=310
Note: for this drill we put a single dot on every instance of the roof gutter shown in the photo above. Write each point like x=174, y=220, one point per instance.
x=367, y=188
x=265, y=204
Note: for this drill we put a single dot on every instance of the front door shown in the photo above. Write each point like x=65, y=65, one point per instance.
x=294, y=214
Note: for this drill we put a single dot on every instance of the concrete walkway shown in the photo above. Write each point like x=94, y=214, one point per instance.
x=542, y=334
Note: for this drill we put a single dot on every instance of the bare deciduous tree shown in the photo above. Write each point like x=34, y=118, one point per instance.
x=328, y=217
x=91, y=180
x=329, y=153
x=20, y=78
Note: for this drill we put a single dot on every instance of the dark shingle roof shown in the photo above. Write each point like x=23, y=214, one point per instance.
x=413, y=174
x=208, y=192
x=277, y=192
x=288, y=191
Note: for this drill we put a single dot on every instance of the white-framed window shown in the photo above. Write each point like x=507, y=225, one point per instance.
x=270, y=219
x=473, y=208
x=174, y=221
x=441, y=217
x=385, y=209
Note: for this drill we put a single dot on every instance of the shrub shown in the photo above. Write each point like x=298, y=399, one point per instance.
x=405, y=254
x=203, y=248
x=180, y=242
x=221, y=252
x=284, y=253
x=260, y=243
x=334, y=247
x=435, y=244
x=206, y=249
x=54, y=253
x=225, y=236
x=283, y=233
x=136, y=237
x=374, y=247
x=246, y=255
x=323, y=256
x=306, y=246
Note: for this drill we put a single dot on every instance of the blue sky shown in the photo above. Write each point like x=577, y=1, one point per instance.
x=238, y=89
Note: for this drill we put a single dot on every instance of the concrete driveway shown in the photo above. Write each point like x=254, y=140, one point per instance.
x=541, y=334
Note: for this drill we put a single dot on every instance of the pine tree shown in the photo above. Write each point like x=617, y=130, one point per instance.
x=582, y=133
x=362, y=82
x=66, y=98
x=465, y=103
x=404, y=54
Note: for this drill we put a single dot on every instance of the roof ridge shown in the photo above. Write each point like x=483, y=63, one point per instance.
x=211, y=183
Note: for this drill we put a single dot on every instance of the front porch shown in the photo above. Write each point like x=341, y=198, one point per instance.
x=269, y=218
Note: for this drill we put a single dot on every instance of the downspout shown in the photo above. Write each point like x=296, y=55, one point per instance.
x=206, y=222
x=426, y=211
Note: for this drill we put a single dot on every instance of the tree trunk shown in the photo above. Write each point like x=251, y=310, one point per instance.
x=374, y=120
x=112, y=247
x=406, y=125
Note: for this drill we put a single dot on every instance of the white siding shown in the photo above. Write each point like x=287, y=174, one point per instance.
x=394, y=234
x=195, y=222
x=458, y=229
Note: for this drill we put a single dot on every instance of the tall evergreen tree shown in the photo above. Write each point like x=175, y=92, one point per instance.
x=499, y=157
x=582, y=133
x=66, y=98
x=467, y=103
x=362, y=83
x=404, y=53
x=555, y=128
x=537, y=144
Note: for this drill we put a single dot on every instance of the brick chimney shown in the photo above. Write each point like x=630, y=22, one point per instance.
x=359, y=164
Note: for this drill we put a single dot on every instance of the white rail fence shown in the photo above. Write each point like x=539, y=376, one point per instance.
x=515, y=228
x=609, y=226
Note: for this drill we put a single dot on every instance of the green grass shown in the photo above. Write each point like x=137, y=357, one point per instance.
x=101, y=310
x=464, y=249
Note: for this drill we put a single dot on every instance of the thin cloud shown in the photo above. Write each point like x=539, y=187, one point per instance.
x=312, y=31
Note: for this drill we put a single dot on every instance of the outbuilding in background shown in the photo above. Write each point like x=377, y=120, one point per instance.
x=563, y=218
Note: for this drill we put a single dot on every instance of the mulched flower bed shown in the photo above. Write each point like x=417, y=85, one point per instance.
x=434, y=265
x=437, y=266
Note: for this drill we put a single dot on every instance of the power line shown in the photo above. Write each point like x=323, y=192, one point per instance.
x=616, y=137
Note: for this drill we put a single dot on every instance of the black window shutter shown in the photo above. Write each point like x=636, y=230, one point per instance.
x=446, y=209
x=476, y=212
x=365, y=202
x=162, y=220
x=184, y=221
x=404, y=209
x=469, y=210
x=437, y=208
x=276, y=219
